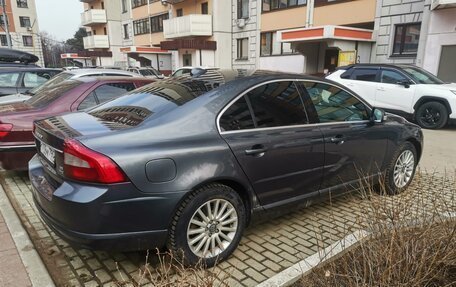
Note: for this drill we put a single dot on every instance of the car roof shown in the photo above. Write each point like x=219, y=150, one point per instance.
x=85, y=72
x=199, y=67
x=372, y=65
x=113, y=78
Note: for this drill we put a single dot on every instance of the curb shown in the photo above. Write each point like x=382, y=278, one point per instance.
x=34, y=266
x=295, y=272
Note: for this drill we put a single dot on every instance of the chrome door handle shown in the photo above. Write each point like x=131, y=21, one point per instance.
x=339, y=139
x=256, y=150
x=381, y=89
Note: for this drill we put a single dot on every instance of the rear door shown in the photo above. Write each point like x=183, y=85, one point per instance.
x=393, y=96
x=354, y=147
x=267, y=130
x=364, y=82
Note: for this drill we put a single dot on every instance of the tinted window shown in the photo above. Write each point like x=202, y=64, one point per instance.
x=111, y=91
x=88, y=102
x=8, y=79
x=277, y=104
x=54, y=81
x=45, y=96
x=347, y=74
x=237, y=117
x=364, y=75
x=34, y=79
x=333, y=104
x=392, y=77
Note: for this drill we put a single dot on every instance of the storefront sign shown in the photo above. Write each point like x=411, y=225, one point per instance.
x=347, y=58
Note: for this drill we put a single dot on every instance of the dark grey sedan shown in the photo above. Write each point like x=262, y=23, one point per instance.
x=186, y=162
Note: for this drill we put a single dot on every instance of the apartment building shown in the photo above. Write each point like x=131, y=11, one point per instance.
x=23, y=27
x=102, y=20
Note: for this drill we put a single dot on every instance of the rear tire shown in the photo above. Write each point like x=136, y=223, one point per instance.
x=431, y=115
x=401, y=169
x=207, y=226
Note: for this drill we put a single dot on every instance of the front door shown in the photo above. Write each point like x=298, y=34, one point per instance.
x=392, y=94
x=187, y=59
x=354, y=147
x=279, y=152
x=331, y=59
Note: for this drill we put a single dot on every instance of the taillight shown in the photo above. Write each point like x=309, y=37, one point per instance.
x=5, y=129
x=84, y=164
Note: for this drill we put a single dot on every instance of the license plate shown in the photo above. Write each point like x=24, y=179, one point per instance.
x=48, y=152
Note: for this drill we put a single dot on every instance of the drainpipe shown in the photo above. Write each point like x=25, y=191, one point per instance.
x=310, y=13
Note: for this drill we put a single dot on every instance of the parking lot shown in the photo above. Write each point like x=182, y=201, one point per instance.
x=266, y=248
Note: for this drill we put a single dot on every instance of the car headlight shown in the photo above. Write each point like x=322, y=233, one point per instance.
x=453, y=91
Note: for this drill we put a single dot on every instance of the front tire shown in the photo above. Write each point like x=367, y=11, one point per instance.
x=432, y=115
x=401, y=169
x=207, y=226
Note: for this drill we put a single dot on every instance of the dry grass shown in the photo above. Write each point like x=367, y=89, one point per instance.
x=412, y=242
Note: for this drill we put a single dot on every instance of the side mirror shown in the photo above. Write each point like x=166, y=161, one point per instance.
x=406, y=84
x=377, y=115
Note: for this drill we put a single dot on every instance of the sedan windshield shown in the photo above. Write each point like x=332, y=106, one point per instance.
x=47, y=95
x=422, y=76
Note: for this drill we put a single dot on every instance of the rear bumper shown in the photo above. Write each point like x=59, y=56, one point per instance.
x=118, y=216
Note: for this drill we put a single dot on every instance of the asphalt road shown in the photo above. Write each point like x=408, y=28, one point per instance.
x=439, y=151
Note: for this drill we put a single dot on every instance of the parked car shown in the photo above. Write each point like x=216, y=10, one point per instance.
x=405, y=90
x=185, y=162
x=148, y=72
x=71, y=74
x=21, y=80
x=186, y=70
x=17, y=144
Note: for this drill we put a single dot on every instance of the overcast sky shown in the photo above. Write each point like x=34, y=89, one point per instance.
x=60, y=18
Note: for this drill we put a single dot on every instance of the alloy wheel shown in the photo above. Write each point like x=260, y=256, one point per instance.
x=212, y=228
x=430, y=116
x=403, y=169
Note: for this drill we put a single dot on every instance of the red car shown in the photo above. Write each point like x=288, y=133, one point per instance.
x=17, y=145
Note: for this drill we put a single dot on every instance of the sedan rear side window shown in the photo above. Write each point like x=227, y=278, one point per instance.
x=368, y=75
x=277, y=104
x=333, y=104
x=237, y=117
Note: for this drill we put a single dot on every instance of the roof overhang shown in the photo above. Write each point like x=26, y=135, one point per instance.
x=189, y=44
x=327, y=32
x=143, y=50
x=72, y=56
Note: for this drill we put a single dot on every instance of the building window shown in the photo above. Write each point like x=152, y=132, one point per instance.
x=137, y=3
x=25, y=21
x=125, y=30
x=124, y=6
x=141, y=26
x=156, y=23
x=102, y=5
x=22, y=4
x=204, y=8
x=179, y=12
x=270, y=46
x=2, y=21
x=406, y=38
x=27, y=41
x=243, y=9
x=269, y=5
x=3, y=40
x=242, y=48
x=105, y=31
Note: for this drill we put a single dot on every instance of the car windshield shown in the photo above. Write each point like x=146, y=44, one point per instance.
x=49, y=94
x=151, y=100
x=148, y=72
x=422, y=76
x=52, y=82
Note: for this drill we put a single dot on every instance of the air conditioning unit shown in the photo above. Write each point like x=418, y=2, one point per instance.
x=241, y=23
x=29, y=29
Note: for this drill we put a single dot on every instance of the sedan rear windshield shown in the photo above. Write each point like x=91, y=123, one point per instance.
x=151, y=100
x=47, y=95
x=52, y=82
x=148, y=72
x=421, y=76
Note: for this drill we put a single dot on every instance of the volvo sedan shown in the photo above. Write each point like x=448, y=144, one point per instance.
x=187, y=162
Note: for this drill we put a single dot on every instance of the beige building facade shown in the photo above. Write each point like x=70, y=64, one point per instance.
x=23, y=27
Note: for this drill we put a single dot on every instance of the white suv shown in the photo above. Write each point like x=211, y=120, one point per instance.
x=405, y=90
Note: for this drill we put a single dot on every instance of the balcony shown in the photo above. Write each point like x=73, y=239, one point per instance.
x=442, y=4
x=93, y=17
x=190, y=25
x=88, y=1
x=96, y=42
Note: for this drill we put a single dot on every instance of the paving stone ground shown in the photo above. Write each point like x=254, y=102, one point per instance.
x=266, y=248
